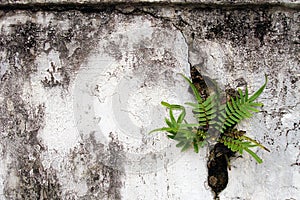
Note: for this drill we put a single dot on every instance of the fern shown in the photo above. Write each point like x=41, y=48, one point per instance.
x=205, y=112
x=239, y=146
x=178, y=129
x=210, y=113
x=239, y=108
x=236, y=141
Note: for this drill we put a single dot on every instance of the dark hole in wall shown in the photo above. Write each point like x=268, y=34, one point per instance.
x=219, y=155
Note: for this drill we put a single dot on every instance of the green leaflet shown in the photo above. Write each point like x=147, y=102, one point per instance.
x=210, y=113
x=195, y=91
x=259, y=91
x=254, y=155
x=239, y=146
x=240, y=108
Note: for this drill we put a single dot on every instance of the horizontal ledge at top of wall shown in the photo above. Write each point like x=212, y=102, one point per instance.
x=149, y=1
x=90, y=4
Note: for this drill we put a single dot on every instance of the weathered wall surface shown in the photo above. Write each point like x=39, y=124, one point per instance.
x=80, y=89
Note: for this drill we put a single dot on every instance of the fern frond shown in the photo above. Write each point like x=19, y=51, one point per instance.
x=205, y=112
x=259, y=91
x=255, y=142
x=195, y=91
x=240, y=146
x=239, y=108
x=187, y=135
x=173, y=124
x=221, y=117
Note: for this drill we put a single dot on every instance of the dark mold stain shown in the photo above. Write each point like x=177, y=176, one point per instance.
x=292, y=131
x=238, y=26
x=27, y=40
x=35, y=182
x=281, y=29
x=294, y=79
x=148, y=65
x=21, y=47
x=21, y=121
x=20, y=124
x=105, y=179
x=261, y=29
x=52, y=80
x=104, y=167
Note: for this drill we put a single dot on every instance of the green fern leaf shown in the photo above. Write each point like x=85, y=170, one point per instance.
x=246, y=94
x=240, y=108
x=208, y=101
x=203, y=123
x=186, y=146
x=234, y=104
x=196, y=147
x=212, y=122
x=194, y=89
x=254, y=155
x=250, y=108
x=187, y=125
x=211, y=117
x=194, y=105
x=169, y=123
x=180, y=144
x=237, y=145
x=234, y=119
x=181, y=117
x=206, y=112
x=255, y=142
x=167, y=129
x=242, y=96
x=258, y=92
x=200, y=115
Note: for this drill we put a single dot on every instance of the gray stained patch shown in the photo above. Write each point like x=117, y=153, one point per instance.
x=20, y=123
x=28, y=39
x=103, y=168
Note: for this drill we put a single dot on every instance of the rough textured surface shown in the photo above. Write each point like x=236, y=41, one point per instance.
x=148, y=1
x=80, y=90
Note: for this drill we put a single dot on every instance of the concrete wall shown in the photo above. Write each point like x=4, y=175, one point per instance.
x=81, y=85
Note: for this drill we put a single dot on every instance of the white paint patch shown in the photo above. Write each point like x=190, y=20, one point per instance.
x=115, y=96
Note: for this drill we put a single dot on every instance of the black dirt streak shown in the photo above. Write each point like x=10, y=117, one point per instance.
x=217, y=166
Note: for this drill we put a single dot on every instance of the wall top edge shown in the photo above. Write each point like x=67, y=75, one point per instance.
x=99, y=4
x=216, y=2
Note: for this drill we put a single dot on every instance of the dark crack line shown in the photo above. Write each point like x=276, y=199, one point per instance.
x=186, y=41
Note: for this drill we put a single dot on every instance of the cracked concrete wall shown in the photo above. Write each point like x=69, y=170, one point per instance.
x=81, y=88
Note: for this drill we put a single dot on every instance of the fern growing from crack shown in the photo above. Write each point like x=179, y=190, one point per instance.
x=211, y=114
